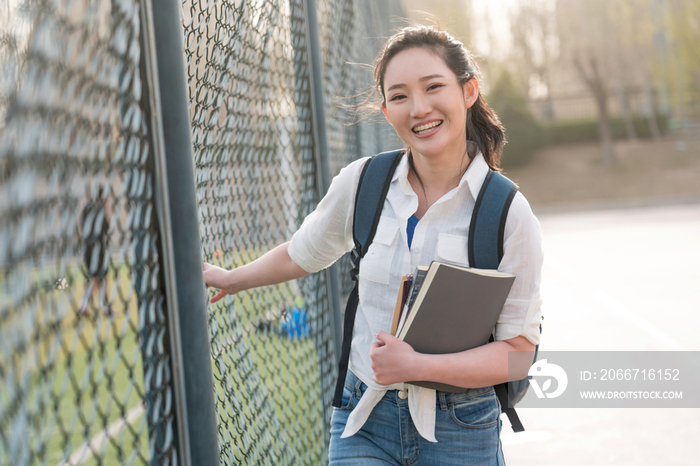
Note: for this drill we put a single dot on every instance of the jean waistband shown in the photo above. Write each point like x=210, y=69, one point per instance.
x=442, y=399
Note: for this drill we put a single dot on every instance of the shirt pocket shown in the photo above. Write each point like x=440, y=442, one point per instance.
x=376, y=265
x=453, y=249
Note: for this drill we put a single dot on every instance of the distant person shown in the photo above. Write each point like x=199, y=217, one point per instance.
x=94, y=231
x=428, y=85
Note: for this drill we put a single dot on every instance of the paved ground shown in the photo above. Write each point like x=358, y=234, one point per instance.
x=617, y=280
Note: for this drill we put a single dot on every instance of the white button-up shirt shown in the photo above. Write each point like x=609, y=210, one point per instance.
x=441, y=234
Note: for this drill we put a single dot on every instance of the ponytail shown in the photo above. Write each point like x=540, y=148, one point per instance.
x=484, y=129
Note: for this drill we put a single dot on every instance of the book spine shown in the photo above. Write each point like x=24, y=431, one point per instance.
x=401, y=299
x=406, y=290
x=418, y=279
x=416, y=282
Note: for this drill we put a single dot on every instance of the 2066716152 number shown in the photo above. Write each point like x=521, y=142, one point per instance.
x=639, y=374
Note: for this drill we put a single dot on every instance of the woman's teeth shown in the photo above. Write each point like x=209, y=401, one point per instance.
x=423, y=129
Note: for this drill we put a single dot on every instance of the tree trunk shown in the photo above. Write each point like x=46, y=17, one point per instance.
x=549, y=102
x=626, y=113
x=590, y=74
x=651, y=114
x=607, y=146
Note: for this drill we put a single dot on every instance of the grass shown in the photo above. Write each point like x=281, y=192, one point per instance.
x=77, y=375
x=74, y=375
x=97, y=388
x=266, y=384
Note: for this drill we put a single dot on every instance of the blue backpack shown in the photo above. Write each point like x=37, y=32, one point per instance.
x=485, y=251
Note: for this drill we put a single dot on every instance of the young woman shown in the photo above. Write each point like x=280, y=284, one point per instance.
x=429, y=90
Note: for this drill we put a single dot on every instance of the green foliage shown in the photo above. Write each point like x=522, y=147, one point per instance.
x=683, y=51
x=524, y=134
x=586, y=130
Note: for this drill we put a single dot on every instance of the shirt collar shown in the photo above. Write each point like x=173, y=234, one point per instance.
x=474, y=176
x=401, y=168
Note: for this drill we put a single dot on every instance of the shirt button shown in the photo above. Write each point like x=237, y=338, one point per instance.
x=403, y=394
x=416, y=249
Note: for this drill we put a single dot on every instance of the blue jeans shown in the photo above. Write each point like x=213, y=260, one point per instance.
x=467, y=428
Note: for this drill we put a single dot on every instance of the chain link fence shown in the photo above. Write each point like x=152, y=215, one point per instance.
x=257, y=178
x=86, y=370
x=352, y=32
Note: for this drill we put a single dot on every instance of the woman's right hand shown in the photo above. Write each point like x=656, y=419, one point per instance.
x=217, y=277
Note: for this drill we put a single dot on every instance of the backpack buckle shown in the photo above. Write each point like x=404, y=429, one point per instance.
x=355, y=262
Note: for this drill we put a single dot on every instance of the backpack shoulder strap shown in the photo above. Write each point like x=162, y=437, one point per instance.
x=485, y=249
x=371, y=191
x=487, y=227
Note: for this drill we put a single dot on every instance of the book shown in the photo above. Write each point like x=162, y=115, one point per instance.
x=419, y=276
x=455, y=309
x=415, y=284
x=401, y=298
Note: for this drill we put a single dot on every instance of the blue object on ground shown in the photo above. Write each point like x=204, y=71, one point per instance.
x=295, y=323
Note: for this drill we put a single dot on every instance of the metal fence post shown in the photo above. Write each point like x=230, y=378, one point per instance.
x=190, y=335
x=321, y=154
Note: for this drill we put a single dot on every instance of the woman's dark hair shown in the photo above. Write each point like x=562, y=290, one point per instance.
x=483, y=126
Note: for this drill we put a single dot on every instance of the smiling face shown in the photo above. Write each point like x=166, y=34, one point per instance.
x=426, y=104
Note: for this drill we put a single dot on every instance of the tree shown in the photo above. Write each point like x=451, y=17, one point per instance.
x=586, y=31
x=523, y=132
x=535, y=47
x=679, y=37
x=635, y=49
x=452, y=14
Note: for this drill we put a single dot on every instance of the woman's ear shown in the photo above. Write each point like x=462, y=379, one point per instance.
x=471, y=92
x=385, y=113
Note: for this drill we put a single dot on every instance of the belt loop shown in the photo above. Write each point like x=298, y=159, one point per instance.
x=358, y=387
x=443, y=401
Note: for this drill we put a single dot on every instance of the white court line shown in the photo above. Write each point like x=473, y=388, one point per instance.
x=610, y=304
x=86, y=450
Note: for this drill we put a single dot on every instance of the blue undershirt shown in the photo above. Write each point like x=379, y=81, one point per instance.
x=410, y=228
